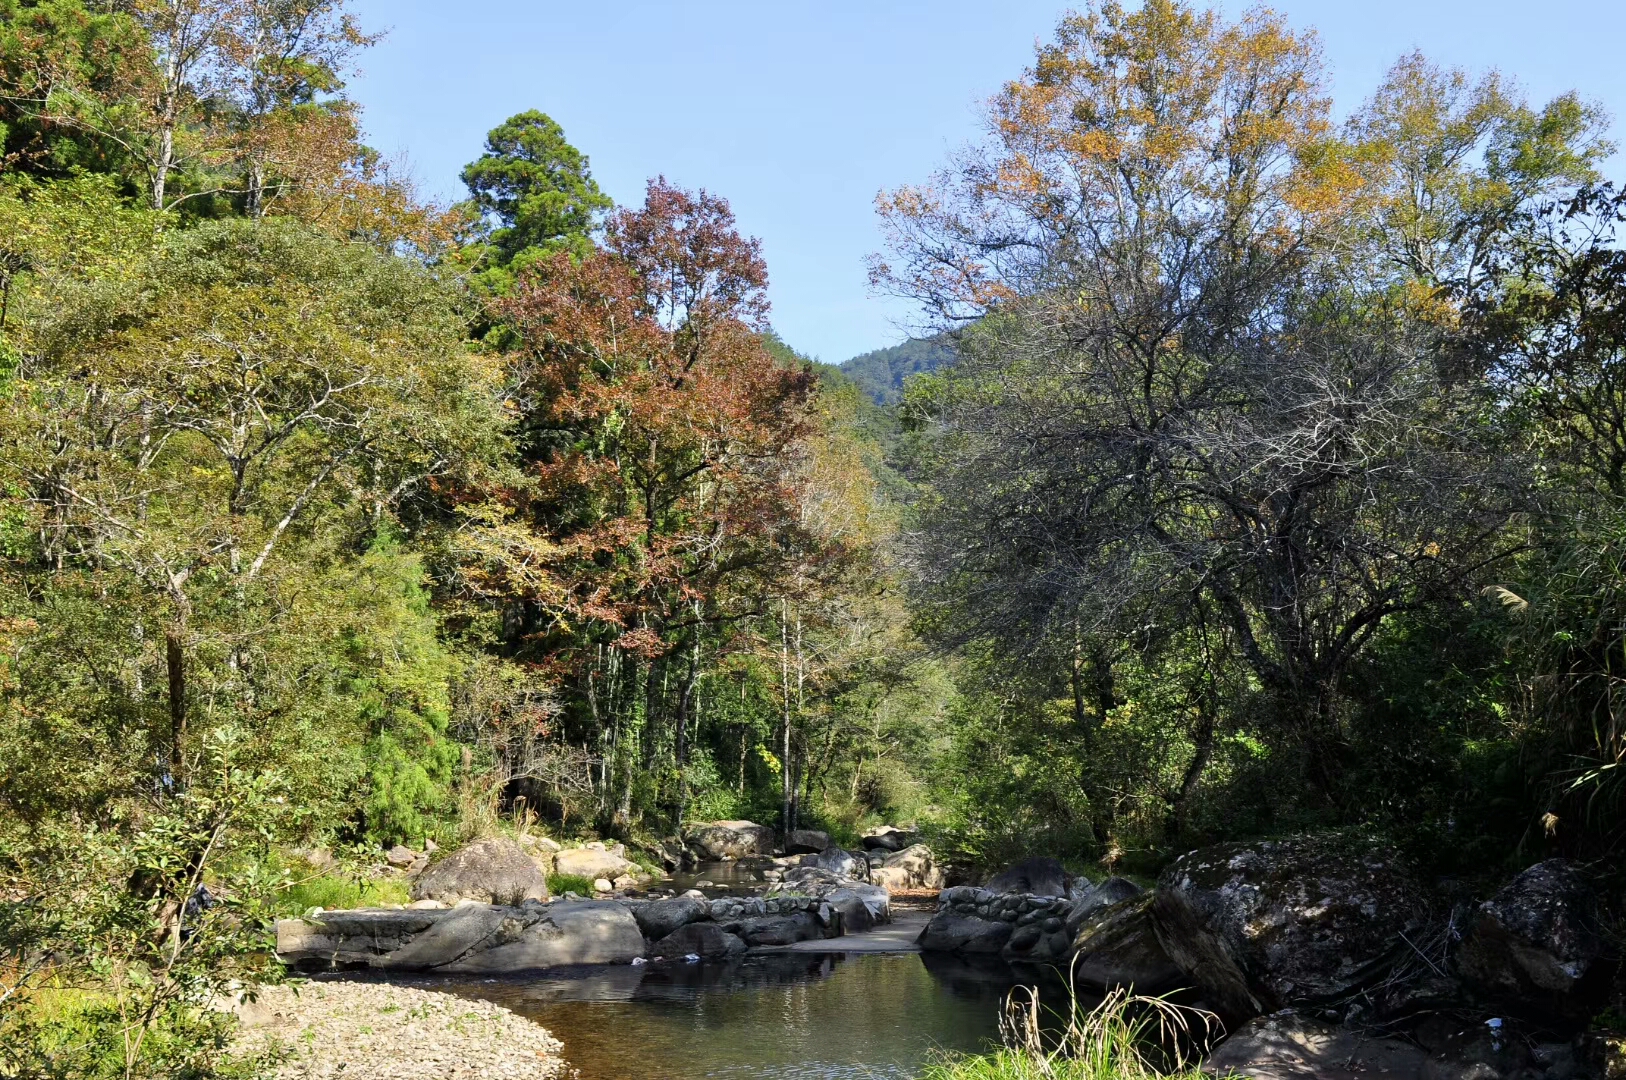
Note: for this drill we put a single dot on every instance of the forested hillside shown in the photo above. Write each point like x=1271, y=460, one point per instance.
x=881, y=374
x=1275, y=480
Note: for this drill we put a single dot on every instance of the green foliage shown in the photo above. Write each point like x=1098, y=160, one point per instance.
x=535, y=190
x=338, y=892
x=882, y=373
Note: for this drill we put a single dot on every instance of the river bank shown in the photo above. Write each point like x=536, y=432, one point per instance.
x=379, y=1031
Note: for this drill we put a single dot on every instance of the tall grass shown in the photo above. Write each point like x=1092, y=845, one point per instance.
x=1125, y=1037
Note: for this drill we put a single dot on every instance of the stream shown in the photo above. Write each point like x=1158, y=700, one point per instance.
x=789, y=1016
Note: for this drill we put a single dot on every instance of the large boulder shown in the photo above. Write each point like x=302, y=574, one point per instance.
x=472, y=938
x=703, y=939
x=1535, y=945
x=1092, y=898
x=911, y=868
x=591, y=863
x=1277, y=923
x=1286, y=1046
x=1039, y=876
x=823, y=885
x=841, y=863
x=806, y=842
x=658, y=918
x=887, y=838
x=951, y=931
x=730, y=840
x=489, y=871
x=1117, y=947
x=781, y=929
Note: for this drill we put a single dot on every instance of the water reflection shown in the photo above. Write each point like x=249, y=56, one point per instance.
x=796, y=1016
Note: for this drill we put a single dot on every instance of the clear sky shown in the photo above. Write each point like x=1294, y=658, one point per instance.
x=798, y=113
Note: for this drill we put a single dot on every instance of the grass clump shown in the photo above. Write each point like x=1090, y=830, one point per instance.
x=1125, y=1037
x=559, y=884
x=336, y=892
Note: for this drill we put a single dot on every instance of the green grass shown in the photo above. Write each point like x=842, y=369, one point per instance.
x=559, y=884
x=1123, y=1038
x=334, y=892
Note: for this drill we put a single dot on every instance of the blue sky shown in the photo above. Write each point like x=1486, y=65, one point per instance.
x=798, y=113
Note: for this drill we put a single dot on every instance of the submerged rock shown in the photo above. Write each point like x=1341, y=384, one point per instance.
x=1535, y=944
x=488, y=871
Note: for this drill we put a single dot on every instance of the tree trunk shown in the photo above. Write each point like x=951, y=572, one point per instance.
x=176, y=661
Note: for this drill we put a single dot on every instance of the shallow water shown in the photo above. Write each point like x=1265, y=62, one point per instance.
x=808, y=1016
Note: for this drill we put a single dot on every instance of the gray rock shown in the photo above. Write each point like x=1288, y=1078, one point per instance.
x=1535, y=944
x=781, y=929
x=1276, y=923
x=489, y=871
x=658, y=918
x=400, y=856
x=1118, y=947
x=806, y=842
x=469, y=938
x=911, y=868
x=953, y=932
x=838, y=862
x=704, y=939
x=1290, y=1047
x=1087, y=901
x=887, y=838
x=1040, y=876
x=731, y=840
x=591, y=863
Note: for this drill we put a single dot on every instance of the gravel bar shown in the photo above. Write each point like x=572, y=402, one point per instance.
x=376, y=1031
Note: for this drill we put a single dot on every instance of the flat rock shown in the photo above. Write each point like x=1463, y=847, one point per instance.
x=1291, y=1047
x=480, y=938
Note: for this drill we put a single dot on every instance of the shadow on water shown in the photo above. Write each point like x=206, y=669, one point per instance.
x=803, y=1016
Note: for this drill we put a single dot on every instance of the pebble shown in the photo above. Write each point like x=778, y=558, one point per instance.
x=377, y=1031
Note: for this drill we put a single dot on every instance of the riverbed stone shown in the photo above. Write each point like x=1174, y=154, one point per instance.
x=492, y=870
x=951, y=931
x=838, y=862
x=471, y=937
x=1300, y=921
x=887, y=838
x=706, y=940
x=806, y=842
x=731, y=840
x=1117, y=947
x=1038, y=876
x=591, y=863
x=658, y=918
x=1535, y=945
x=1287, y=1046
x=781, y=929
x=1087, y=901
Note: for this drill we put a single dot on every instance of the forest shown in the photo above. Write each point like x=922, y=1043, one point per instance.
x=1263, y=472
